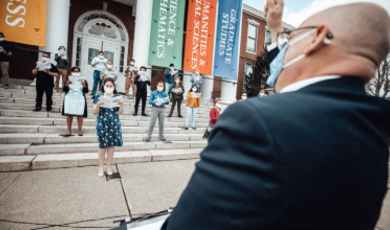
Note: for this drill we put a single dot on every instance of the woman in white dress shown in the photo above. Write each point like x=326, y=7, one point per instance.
x=75, y=103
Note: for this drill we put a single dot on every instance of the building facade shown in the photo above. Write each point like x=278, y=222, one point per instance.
x=121, y=28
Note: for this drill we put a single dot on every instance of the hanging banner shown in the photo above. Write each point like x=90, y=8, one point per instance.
x=24, y=21
x=228, y=39
x=166, y=37
x=199, y=48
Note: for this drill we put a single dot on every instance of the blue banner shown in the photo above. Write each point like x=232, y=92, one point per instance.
x=228, y=39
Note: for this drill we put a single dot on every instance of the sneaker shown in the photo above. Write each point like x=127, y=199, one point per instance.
x=93, y=97
x=163, y=139
x=145, y=115
x=48, y=110
x=55, y=91
x=170, y=115
x=6, y=86
x=36, y=110
x=148, y=140
x=181, y=116
x=135, y=114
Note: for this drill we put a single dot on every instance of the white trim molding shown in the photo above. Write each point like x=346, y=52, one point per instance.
x=253, y=22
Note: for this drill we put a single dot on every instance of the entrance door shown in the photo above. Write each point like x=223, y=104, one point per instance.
x=92, y=50
x=111, y=52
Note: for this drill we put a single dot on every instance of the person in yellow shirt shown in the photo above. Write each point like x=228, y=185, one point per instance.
x=193, y=97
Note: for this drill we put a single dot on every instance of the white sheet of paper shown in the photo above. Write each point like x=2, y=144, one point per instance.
x=110, y=74
x=196, y=95
x=64, y=55
x=178, y=90
x=76, y=80
x=42, y=66
x=144, y=77
x=132, y=68
x=110, y=102
x=174, y=72
x=161, y=101
x=1, y=49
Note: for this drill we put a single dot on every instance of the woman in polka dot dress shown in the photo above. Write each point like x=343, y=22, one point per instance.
x=108, y=125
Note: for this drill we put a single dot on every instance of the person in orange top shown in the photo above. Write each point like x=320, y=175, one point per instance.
x=192, y=105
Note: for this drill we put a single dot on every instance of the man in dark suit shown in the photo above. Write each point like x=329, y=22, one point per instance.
x=313, y=156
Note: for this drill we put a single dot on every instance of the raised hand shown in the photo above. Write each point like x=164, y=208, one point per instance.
x=273, y=11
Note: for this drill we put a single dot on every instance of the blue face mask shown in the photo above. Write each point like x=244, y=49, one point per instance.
x=277, y=66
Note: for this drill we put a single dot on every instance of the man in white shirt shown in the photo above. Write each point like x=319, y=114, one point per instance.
x=98, y=64
x=316, y=154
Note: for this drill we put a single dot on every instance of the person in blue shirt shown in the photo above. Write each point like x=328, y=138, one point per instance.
x=98, y=64
x=158, y=110
x=170, y=75
x=196, y=79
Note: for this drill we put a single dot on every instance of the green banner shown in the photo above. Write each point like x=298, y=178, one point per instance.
x=166, y=37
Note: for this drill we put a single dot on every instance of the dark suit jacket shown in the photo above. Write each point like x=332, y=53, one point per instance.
x=141, y=85
x=314, y=159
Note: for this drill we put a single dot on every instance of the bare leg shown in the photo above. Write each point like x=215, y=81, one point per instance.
x=80, y=123
x=69, y=120
x=102, y=156
x=110, y=155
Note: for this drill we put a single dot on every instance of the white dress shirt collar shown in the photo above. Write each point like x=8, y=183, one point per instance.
x=306, y=82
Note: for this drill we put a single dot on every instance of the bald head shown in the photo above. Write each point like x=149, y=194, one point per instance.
x=359, y=29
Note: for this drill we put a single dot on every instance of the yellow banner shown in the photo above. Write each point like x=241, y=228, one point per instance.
x=23, y=21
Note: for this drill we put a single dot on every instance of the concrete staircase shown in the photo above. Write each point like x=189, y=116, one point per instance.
x=30, y=140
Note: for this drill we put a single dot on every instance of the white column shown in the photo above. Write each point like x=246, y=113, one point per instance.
x=143, y=25
x=57, y=25
x=228, y=91
x=207, y=88
x=186, y=81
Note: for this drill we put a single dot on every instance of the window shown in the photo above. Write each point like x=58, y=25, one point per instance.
x=252, y=38
x=248, y=71
x=78, y=52
x=267, y=37
x=122, y=61
x=99, y=28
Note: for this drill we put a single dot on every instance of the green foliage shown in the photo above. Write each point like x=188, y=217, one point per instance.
x=256, y=81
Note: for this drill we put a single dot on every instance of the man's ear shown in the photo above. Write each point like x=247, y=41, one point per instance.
x=318, y=39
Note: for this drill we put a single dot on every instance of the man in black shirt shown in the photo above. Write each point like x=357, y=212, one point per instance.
x=44, y=83
x=5, y=54
x=142, y=81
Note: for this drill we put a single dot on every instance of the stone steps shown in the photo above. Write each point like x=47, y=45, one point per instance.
x=33, y=162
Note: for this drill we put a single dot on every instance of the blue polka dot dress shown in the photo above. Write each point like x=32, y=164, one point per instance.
x=108, y=126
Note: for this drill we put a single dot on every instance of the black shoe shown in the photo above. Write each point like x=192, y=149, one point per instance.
x=49, y=110
x=6, y=86
x=147, y=140
x=194, y=128
x=181, y=116
x=163, y=139
x=37, y=110
x=93, y=97
x=145, y=115
x=135, y=114
x=170, y=115
x=186, y=128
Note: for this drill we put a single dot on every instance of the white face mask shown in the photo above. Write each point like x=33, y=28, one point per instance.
x=101, y=56
x=131, y=63
x=243, y=97
x=62, y=50
x=194, y=89
x=108, y=90
x=75, y=74
x=109, y=66
x=177, y=81
x=160, y=88
x=1, y=39
x=143, y=72
x=45, y=59
x=197, y=73
x=218, y=105
x=171, y=68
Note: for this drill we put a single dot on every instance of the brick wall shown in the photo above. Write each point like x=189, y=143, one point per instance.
x=121, y=11
x=244, y=55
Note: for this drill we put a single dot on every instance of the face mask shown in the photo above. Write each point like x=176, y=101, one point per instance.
x=197, y=73
x=131, y=63
x=109, y=66
x=45, y=59
x=108, y=90
x=218, y=105
x=276, y=65
x=1, y=39
x=76, y=74
x=143, y=72
x=62, y=50
x=194, y=89
x=243, y=97
x=177, y=81
x=101, y=56
x=171, y=68
x=160, y=88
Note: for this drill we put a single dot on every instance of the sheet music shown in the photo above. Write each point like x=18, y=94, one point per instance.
x=110, y=102
x=161, y=101
x=110, y=74
x=178, y=90
x=144, y=77
x=195, y=95
x=42, y=66
x=133, y=68
x=76, y=81
x=174, y=72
